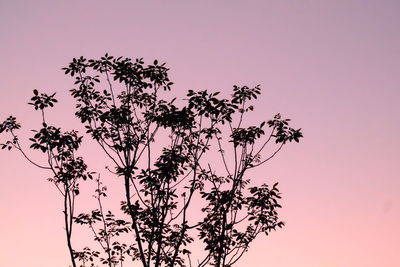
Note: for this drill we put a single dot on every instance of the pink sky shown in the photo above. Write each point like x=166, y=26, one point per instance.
x=331, y=66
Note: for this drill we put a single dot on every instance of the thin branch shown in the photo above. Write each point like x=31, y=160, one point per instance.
x=270, y=157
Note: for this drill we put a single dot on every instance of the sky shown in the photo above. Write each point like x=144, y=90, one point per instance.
x=333, y=67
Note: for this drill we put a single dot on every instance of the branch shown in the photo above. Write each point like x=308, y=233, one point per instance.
x=262, y=162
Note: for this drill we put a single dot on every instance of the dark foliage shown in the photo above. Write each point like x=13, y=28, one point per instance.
x=161, y=185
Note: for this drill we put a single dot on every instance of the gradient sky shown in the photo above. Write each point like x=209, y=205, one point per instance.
x=333, y=67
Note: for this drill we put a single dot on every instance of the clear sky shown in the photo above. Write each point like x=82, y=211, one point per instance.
x=331, y=66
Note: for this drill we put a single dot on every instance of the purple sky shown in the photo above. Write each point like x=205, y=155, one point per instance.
x=333, y=67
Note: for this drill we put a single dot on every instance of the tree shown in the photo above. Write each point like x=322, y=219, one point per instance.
x=162, y=177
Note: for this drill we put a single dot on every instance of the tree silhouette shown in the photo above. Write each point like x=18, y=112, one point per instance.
x=164, y=151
